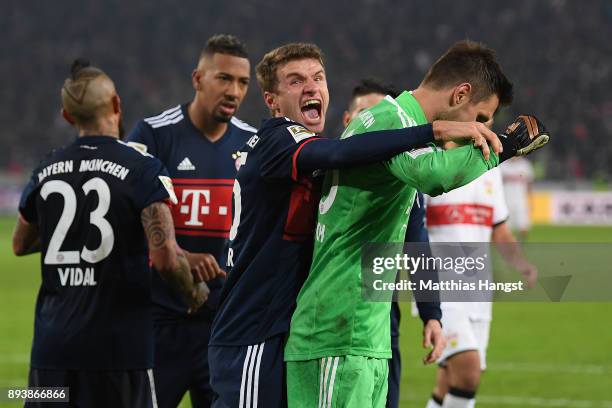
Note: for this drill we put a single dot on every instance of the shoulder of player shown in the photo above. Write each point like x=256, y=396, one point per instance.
x=242, y=127
x=166, y=118
x=134, y=154
x=52, y=156
x=283, y=130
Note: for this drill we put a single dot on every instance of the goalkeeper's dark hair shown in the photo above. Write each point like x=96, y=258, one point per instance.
x=224, y=44
x=472, y=62
x=369, y=86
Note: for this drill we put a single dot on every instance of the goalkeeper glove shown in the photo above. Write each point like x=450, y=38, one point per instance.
x=522, y=137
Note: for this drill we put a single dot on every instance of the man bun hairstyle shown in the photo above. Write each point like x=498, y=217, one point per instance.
x=472, y=62
x=269, y=64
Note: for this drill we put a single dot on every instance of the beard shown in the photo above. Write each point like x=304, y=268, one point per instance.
x=219, y=117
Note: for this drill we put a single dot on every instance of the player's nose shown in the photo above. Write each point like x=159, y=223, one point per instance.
x=233, y=90
x=310, y=87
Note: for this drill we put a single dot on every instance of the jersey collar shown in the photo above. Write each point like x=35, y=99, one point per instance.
x=228, y=129
x=412, y=107
x=95, y=139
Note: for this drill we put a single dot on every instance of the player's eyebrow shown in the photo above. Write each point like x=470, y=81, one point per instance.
x=294, y=74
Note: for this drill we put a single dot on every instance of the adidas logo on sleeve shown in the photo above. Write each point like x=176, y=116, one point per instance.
x=185, y=165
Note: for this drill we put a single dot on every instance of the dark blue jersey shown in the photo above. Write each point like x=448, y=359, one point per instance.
x=94, y=305
x=203, y=175
x=271, y=239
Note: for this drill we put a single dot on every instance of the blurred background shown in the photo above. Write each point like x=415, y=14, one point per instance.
x=558, y=53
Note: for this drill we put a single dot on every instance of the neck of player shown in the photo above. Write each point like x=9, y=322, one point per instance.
x=210, y=128
x=103, y=127
x=431, y=102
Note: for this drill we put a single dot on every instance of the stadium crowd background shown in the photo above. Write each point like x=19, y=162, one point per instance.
x=557, y=52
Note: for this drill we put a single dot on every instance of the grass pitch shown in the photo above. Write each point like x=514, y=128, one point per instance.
x=540, y=354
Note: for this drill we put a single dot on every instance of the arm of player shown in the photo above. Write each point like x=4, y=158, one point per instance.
x=507, y=245
x=434, y=171
x=373, y=147
x=417, y=239
x=433, y=338
x=166, y=256
x=26, y=239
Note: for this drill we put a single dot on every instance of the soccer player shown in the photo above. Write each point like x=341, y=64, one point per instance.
x=275, y=194
x=517, y=175
x=91, y=209
x=338, y=343
x=476, y=212
x=197, y=142
x=366, y=94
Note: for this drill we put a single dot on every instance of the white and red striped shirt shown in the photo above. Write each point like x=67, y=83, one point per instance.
x=468, y=214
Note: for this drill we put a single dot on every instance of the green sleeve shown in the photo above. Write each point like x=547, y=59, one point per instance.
x=434, y=171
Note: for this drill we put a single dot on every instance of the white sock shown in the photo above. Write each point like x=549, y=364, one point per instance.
x=453, y=401
x=432, y=404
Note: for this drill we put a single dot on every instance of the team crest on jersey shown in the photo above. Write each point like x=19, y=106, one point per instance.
x=299, y=133
x=167, y=183
x=239, y=159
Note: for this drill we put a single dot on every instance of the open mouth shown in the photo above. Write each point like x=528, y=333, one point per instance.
x=311, y=109
x=228, y=107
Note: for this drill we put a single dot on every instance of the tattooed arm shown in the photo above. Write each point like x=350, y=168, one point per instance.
x=25, y=238
x=166, y=256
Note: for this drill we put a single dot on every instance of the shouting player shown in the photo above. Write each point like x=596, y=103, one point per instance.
x=197, y=142
x=275, y=195
x=476, y=212
x=339, y=343
x=91, y=208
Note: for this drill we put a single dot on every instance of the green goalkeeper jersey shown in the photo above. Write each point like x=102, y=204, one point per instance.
x=363, y=205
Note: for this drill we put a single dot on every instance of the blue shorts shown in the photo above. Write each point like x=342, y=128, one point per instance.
x=181, y=363
x=120, y=388
x=249, y=376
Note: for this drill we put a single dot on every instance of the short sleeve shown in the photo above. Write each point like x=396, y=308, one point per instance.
x=153, y=184
x=141, y=138
x=500, y=208
x=279, y=151
x=27, y=203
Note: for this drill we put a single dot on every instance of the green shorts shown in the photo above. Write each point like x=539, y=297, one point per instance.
x=346, y=381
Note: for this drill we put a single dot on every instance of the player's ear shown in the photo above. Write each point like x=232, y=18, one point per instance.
x=461, y=94
x=270, y=100
x=67, y=117
x=116, y=102
x=196, y=74
x=346, y=118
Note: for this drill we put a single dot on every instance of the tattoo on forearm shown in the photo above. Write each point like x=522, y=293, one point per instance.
x=157, y=223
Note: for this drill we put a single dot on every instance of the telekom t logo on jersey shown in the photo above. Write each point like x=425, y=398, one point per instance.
x=204, y=207
x=196, y=208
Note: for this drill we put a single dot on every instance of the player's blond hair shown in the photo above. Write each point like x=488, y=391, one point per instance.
x=269, y=64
